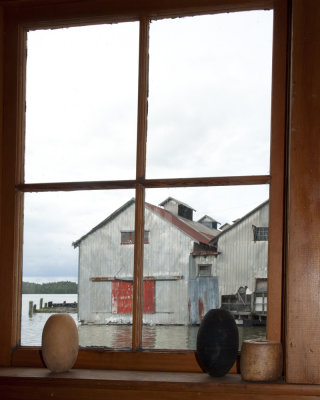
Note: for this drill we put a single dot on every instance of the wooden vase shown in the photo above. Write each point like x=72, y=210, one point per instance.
x=261, y=360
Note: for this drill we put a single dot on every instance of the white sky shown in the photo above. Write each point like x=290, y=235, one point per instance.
x=209, y=115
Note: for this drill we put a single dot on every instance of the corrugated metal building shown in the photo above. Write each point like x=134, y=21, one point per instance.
x=184, y=275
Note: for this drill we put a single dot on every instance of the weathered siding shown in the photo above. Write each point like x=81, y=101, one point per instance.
x=103, y=255
x=167, y=256
x=180, y=295
x=242, y=260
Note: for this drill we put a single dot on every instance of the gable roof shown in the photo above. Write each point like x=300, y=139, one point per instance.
x=238, y=221
x=195, y=230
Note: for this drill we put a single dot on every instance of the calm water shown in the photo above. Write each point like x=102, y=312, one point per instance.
x=115, y=336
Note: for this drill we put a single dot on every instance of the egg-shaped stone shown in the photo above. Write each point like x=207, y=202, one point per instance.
x=60, y=342
x=217, y=342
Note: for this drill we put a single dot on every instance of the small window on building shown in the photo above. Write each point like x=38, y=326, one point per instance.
x=260, y=233
x=204, y=270
x=127, y=237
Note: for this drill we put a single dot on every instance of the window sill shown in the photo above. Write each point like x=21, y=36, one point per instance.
x=83, y=384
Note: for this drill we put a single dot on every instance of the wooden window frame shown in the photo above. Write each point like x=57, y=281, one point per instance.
x=19, y=16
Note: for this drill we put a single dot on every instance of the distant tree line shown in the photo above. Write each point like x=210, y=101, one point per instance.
x=63, y=287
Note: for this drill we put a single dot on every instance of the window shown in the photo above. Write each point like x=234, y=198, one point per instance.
x=127, y=237
x=139, y=183
x=260, y=233
x=204, y=270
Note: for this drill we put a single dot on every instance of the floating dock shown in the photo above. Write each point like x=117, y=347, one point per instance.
x=247, y=309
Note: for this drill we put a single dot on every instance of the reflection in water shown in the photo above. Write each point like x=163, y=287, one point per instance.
x=119, y=336
x=154, y=337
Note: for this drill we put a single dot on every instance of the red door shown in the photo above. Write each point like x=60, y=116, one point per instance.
x=122, y=297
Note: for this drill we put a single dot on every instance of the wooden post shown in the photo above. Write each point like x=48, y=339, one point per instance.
x=41, y=303
x=30, y=308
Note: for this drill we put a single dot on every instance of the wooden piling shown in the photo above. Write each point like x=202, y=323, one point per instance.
x=30, y=308
x=41, y=303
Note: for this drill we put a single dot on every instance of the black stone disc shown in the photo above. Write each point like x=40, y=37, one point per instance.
x=217, y=342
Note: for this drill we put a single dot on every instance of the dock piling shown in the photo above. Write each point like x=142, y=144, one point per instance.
x=30, y=308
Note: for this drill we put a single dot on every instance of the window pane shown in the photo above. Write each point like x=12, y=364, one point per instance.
x=82, y=103
x=210, y=95
x=202, y=259
x=75, y=237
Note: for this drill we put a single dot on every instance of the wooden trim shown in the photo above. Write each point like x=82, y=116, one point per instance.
x=147, y=183
x=142, y=99
x=138, y=270
x=303, y=277
x=14, y=137
x=137, y=308
x=83, y=384
x=12, y=201
x=36, y=14
x=121, y=360
x=277, y=171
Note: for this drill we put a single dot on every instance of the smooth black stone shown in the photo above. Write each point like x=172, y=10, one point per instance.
x=217, y=342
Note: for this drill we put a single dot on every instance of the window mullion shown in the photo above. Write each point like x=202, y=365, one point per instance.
x=140, y=190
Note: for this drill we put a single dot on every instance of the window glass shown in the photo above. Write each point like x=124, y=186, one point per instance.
x=128, y=237
x=209, y=115
x=82, y=103
x=72, y=254
x=210, y=95
x=191, y=267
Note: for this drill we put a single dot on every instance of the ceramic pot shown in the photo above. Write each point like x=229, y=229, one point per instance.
x=261, y=360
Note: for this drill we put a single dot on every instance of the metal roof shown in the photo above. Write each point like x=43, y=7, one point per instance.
x=196, y=230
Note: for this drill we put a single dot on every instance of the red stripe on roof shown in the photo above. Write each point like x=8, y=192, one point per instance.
x=167, y=215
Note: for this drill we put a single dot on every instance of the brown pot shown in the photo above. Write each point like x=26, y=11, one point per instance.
x=261, y=360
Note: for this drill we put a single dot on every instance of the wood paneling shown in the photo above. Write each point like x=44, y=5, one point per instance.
x=303, y=275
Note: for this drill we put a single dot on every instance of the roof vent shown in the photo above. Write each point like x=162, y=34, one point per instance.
x=178, y=208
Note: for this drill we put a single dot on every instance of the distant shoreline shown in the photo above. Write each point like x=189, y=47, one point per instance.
x=62, y=287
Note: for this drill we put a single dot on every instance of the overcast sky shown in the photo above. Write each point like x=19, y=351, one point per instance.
x=209, y=115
